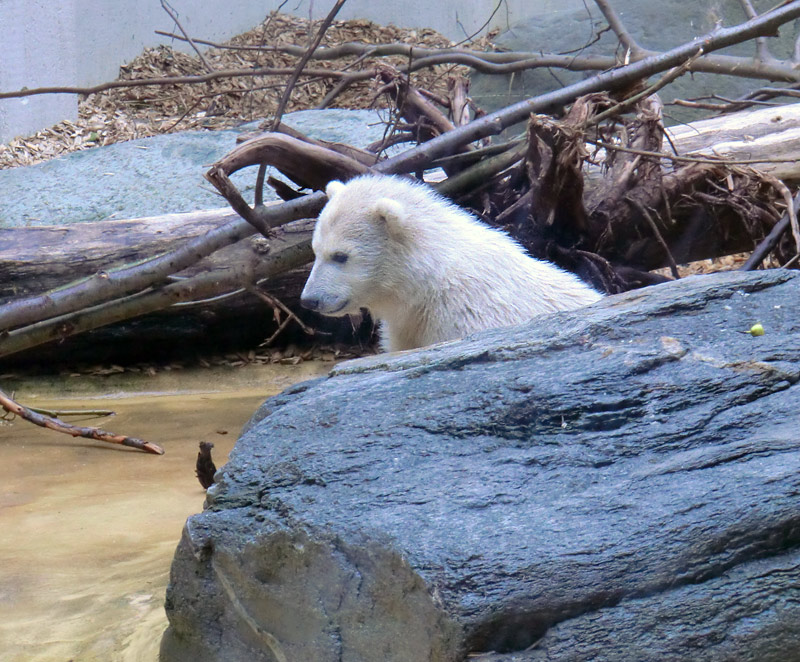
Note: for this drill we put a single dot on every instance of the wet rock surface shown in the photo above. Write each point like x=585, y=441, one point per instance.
x=616, y=483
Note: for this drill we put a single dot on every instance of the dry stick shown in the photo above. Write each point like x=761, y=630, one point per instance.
x=295, y=254
x=306, y=57
x=277, y=303
x=90, y=433
x=762, y=49
x=167, y=80
x=771, y=240
x=73, y=412
x=262, y=168
x=165, y=6
x=673, y=266
x=616, y=24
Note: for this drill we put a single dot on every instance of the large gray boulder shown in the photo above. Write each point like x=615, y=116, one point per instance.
x=616, y=483
x=156, y=175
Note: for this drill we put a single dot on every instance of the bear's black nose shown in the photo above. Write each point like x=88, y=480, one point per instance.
x=311, y=303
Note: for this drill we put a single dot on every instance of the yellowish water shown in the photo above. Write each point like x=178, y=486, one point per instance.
x=87, y=529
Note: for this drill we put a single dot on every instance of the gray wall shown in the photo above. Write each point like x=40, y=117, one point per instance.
x=83, y=42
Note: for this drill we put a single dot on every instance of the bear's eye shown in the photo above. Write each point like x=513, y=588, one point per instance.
x=339, y=258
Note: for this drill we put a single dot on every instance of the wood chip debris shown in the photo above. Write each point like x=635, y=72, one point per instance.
x=127, y=113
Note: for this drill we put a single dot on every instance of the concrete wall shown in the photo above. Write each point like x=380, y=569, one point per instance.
x=83, y=42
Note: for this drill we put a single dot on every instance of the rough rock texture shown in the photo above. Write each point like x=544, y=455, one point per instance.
x=153, y=176
x=659, y=26
x=617, y=483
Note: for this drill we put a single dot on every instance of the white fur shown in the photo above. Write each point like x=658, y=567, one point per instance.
x=427, y=269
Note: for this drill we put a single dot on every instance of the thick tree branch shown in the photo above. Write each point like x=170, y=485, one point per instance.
x=119, y=282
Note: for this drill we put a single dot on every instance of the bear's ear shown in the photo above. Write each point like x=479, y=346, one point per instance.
x=333, y=188
x=391, y=213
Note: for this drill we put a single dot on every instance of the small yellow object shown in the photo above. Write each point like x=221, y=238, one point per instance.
x=756, y=330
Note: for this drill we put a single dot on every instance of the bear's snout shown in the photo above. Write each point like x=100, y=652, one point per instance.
x=311, y=303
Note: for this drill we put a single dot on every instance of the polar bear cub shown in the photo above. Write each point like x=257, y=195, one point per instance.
x=428, y=270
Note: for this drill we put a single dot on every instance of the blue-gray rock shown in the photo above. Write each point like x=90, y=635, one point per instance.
x=658, y=26
x=153, y=176
x=615, y=483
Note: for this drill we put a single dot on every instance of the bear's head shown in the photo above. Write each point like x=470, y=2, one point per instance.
x=350, y=245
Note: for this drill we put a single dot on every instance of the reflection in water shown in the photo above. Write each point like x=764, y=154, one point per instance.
x=88, y=530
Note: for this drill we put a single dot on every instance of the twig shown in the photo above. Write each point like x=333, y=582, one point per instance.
x=771, y=240
x=616, y=24
x=60, y=426
x=469, y=37
x=651, y=222
x=277, y=303
x=762, y=49
x=73, y=412
x=167, y=80
x=165, y=6
x=300, y=65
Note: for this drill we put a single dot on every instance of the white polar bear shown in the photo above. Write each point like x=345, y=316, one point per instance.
x=426, y=269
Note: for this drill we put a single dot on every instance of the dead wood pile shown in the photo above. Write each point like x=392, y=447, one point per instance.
x=654, y=206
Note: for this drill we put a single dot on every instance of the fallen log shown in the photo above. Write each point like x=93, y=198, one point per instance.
x=767, y=139
x=36, y=259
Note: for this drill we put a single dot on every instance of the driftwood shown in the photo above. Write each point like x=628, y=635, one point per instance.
x=51, y=423
x=767, y=138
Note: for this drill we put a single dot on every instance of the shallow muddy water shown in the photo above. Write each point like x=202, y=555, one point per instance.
x=88, y=529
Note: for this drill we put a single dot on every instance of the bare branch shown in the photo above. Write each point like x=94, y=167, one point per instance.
x=58, y=425
x=165, y=6
x=300, y=65
x=762, y=49
x=616, y=24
